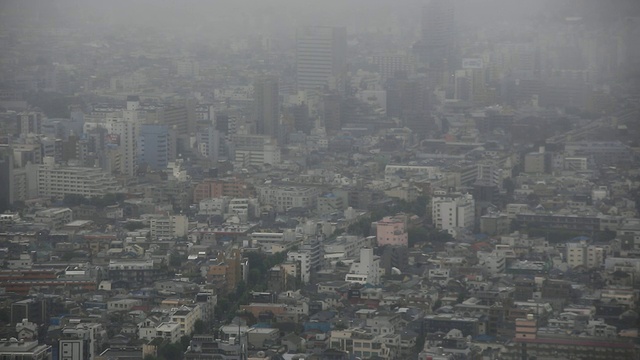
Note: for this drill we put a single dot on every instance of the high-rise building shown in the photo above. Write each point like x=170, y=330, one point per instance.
x=267, y=106
x=29, y=123
x=438, y=32
x=153, y=146
x=392, y=65
x=208, y=140
x=124, y=133
x=321, y=57
x=6, y=179
x=409, y=100
x=180, y=117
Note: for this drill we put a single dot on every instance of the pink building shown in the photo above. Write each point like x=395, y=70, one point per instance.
x=391, y=231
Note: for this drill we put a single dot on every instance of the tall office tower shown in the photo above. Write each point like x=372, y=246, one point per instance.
x=409, y=100
x=393, y=65
x=321, y=57
x=331, y=112
x=438, y=33
x=6, y=179
x=208, y=142
x=180, y=116
x=124, y=133
x=266, y=108
x=153, y=146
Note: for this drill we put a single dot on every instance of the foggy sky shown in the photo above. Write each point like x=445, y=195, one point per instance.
x=224, y=18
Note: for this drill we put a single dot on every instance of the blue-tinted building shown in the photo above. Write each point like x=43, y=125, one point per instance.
x=153, y=146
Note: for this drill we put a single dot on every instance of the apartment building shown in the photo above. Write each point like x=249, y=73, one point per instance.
x=451, y=212
x=392, y=231
x=285, y=198
x=169, y=227
x=58, y=181
x=186, y=317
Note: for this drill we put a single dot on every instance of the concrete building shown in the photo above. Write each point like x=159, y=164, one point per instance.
x=169, y=227
x=330, y=203
x=390, y=65
x=266, y=106
x=603, y=153
x=537, y=162
x=254, y=150
x=438, y=33
x=29, y=122
x=168, y=331
x=321, y=57
x=81, y=342
x=135, y=272
x=153, y=146
x=493, y=262
x=209, y=347
x=124, y=132
x=208, y=142
x=366, y=270
x=216, y=188
x=187, y=316
x=273, y=242
x=179, y=116
x=6, y=177
x=361, y=343
x=586, y=255
x=17, y=349
x=54, y=217
x=284, y=198
x=304, y=261
x=58, y=181
x=452, y=212
x=392, y=231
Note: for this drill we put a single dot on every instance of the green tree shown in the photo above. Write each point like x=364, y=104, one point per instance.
x=133, y=225
x=175, y=260
x=169, y=351
x=185, y=341
x=417, y=235
x=199, y=327
x=436, y=305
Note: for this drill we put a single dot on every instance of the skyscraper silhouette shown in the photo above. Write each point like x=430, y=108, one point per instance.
x=438, y=32
x=320, y=57
x=267, y=106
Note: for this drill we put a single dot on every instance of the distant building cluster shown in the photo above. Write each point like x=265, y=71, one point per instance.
x=430, y=190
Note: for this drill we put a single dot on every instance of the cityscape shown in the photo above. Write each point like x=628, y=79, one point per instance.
x=319, y=180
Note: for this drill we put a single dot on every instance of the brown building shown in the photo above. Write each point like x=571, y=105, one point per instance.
x=215, y=188
x=227, y=272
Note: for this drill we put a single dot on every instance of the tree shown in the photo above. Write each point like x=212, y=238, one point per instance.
x=185, y=341
x=199, y=327
x=133, y=225
x=436, y=305
x=417, y=235
x=175, y=260
x=170, y=351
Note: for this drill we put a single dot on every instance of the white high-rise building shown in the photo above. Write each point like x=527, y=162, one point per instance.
x=452, y=212
x=125, y=133
x=366, y=270
x=304, y=258
x=320, y=57
x=58, y=181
